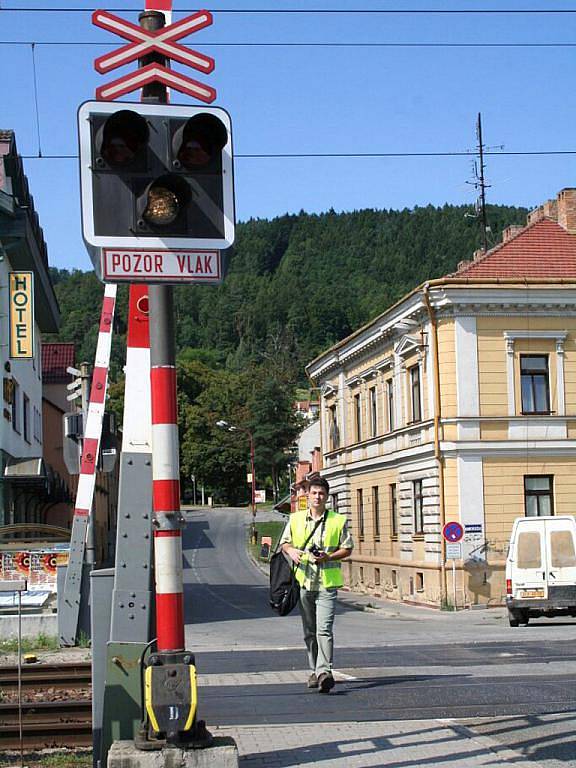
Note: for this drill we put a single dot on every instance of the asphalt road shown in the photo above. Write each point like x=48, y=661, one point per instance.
x=515, y=687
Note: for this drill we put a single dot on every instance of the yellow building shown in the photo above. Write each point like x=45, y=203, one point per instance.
x=457, y=404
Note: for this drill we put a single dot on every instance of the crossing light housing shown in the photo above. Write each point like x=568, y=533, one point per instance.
x=156, y=176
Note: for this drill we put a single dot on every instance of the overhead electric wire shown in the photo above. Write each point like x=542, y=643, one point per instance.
x=312, y=44
x=307, y=155
x=309, y=11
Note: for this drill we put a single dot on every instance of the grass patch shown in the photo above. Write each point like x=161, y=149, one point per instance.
x=41, y=642
x=271, y=528
x=80, y=759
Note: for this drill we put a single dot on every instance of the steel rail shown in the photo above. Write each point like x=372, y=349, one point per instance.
x=57, y=676
x=42, y=712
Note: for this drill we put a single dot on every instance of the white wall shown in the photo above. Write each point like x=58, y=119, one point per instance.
x=308, y=440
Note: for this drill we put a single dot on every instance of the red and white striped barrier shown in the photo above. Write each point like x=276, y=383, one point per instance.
x=96, y=406
x=136, y=437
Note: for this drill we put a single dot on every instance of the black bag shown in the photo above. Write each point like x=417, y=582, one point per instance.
x=284, y=588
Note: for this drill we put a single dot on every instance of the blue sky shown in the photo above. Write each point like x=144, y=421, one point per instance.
x=305, y=99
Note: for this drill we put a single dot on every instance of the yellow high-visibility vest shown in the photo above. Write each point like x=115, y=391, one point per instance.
x=331, y=570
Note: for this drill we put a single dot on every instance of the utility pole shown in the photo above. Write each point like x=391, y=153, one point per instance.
x=156, y=179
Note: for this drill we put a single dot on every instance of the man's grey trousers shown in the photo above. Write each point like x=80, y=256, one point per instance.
x=317, y=610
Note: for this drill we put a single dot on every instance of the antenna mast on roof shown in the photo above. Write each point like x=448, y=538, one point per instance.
x=480, y=184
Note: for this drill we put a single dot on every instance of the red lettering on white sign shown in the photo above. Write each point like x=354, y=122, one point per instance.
x=161, y=266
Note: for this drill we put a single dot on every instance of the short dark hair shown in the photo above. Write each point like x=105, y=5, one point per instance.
x=317, y=479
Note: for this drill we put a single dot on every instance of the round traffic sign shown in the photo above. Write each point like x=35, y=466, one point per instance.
x=453, y=531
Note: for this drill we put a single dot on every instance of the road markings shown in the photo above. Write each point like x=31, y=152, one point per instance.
x=343, y=675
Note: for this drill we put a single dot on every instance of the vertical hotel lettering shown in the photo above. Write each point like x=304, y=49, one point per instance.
x=21, y=315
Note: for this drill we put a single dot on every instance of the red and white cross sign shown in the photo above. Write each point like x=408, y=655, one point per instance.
x=144, y=42
x=163, y=41
x=158, y=74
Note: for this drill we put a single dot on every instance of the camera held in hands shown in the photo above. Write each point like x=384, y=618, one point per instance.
x=315, y=550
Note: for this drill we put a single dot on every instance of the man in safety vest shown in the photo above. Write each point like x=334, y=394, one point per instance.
x=319, y=574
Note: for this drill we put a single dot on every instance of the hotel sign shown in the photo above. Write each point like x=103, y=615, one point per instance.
x=21, y=288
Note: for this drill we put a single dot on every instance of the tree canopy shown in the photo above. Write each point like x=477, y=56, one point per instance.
x=295, y=285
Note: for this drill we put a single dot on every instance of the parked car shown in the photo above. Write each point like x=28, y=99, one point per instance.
x=541, y=568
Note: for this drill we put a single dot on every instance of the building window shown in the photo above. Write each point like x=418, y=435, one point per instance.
x=538, y=499
x=373, y=413
x=360, y=505
x=333, y=428
x=335, y=502
x=15, y=406
x=394, y=509
x=419, y=581
x=535, y=383
x=26, y=417
x=376, y=576
x=394, y=575
x=418, y=506
x=361, y=575
x=358, y=417
x=37, y=425
x=390, y=403
x=376, y=511
x=415, y=393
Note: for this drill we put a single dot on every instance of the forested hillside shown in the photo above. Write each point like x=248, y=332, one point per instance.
x=295, y=285
x=298, y=283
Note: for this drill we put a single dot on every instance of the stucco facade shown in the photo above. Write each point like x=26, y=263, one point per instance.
x=458, y=403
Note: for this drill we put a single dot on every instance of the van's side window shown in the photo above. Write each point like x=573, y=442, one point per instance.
x=538, y=495
x=535, y=383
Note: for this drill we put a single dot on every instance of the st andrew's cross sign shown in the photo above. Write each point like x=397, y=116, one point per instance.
x=143, y=42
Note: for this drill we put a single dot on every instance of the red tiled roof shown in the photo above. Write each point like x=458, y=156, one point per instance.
x=542, y=249
x=55, y=359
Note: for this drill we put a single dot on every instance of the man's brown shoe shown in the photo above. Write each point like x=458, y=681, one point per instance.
x=312, y=681
x=325, y=682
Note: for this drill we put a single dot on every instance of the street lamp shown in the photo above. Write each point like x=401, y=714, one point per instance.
x=231, y=428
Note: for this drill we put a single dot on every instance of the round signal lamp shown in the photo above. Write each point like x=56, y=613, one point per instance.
x=162, y=207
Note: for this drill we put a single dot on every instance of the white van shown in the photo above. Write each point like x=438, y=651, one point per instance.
x=541, y=568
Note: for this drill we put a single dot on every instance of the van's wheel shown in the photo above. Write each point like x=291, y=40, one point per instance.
x=524, y=617
x=513, y=619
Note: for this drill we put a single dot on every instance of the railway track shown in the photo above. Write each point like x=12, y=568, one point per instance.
x=47, y=722
x=58, y=676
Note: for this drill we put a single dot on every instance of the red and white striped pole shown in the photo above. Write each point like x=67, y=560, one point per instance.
x=165, y=474
x=96, y=406
x=165, y=455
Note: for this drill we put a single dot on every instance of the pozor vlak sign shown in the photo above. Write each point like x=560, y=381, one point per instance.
x=157, y=190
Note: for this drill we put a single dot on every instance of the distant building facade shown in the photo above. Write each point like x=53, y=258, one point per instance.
x=457, y=404
x=56, y=359
x=28, y=485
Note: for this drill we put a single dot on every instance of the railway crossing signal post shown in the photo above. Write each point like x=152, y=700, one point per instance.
x=157, y=209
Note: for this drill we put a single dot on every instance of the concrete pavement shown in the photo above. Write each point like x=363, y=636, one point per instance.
x=395, y=710
x=406, y=744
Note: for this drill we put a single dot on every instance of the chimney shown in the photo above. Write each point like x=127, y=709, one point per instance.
x=511, y=231
x=551, y=209
x=536, y=215
x=567, y=209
